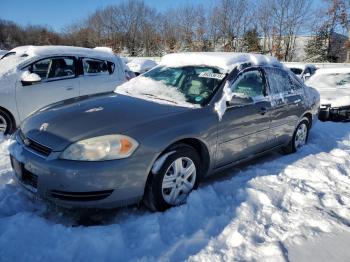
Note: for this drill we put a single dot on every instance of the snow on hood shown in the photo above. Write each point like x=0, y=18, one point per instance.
x=333, y=85
x=156, y=91
x=141, y=65
x=224, y=60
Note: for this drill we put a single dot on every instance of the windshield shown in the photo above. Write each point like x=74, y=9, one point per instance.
x=335, y=80
x=10, y=61
x=296, y=71
x=197, y=84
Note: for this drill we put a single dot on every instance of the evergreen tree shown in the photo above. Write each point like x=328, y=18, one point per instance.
x=251, y=41
x=317, y=48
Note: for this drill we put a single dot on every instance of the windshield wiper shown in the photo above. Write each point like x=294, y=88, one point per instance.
x=156, y=97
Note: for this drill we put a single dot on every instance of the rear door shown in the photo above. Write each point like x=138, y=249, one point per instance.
x=58, y=82
x=286, y=105
x=243, y=129
x=99, y=76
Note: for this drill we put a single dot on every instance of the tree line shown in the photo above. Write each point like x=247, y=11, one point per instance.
x=134, y=28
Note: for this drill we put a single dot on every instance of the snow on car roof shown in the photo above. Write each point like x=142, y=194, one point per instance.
x=33, y=51
x=224, y=60
x=333, y=70
x=301, y=66
x=141, y=64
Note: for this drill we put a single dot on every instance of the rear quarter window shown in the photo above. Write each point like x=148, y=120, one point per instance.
x=279, y=81
x=92, y=66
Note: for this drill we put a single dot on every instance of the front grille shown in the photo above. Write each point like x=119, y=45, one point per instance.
x=35, y=146
x=38, y=147
x=81, y=196
x=29, y=178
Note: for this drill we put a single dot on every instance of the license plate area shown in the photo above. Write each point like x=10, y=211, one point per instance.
x=28, y=179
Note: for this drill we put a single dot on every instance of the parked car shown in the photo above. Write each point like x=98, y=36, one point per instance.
x=303, y=71
x=128, y=73
x=333, y=84
x=141, y=65
x=162, y=132
x=32, y=77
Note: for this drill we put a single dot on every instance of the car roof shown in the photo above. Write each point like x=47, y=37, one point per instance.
x=33, y=51
x=224, y=60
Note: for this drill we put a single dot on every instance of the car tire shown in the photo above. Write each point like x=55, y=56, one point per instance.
x=300, y=137
x=7, y=125
x=170, y=185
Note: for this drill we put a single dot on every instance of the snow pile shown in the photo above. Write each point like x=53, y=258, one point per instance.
x=141, y=65
x=224, y=60
x=333, y=85
x=270, y=210
x=156, y=91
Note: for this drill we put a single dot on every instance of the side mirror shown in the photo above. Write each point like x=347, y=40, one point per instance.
x=306, y=76
x=29, y=78
x=239, y=100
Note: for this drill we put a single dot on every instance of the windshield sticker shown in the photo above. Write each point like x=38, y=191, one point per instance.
x=212, y=75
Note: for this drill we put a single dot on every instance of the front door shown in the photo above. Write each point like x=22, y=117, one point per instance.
x=244, y=127
x=58, y=82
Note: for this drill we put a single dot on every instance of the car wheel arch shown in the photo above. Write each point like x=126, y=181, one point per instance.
x=307, y=115
x=198, y=145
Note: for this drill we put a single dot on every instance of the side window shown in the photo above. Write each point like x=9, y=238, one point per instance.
x=41, y=68
x=97, y=67
x=297, y=84
x=54, y=68
x=249, y=85
x=279, y=81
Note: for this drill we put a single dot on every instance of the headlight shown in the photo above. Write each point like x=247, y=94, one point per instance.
x=101, y=148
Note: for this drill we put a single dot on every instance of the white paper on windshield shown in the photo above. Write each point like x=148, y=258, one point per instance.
x=212, y=75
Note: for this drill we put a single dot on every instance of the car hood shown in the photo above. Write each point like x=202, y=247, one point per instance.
x=72, y=120
x=336, y=97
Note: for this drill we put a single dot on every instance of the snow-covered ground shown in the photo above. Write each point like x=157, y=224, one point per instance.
x=277, y=208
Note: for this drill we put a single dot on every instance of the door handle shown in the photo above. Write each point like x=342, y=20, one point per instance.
x=68, y=88
x=263, y=110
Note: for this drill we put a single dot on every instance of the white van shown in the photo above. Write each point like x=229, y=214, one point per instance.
x=32, y=77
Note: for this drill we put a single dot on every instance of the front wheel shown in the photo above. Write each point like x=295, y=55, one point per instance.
x=6, y=124
x=176, y=178
x=299, y=138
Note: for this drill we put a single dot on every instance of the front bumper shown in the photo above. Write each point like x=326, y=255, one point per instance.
x=78, y=184
x=327, y=112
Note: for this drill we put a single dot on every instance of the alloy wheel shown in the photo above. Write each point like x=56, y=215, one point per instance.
x=301, y=136
x=179, y=181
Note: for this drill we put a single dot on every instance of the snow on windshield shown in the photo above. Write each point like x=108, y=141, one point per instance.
x=334, y=87
x=8, y=64
x=8, y=76
x=156, y=91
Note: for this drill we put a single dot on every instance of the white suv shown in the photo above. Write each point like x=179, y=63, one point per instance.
x=32, y=77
